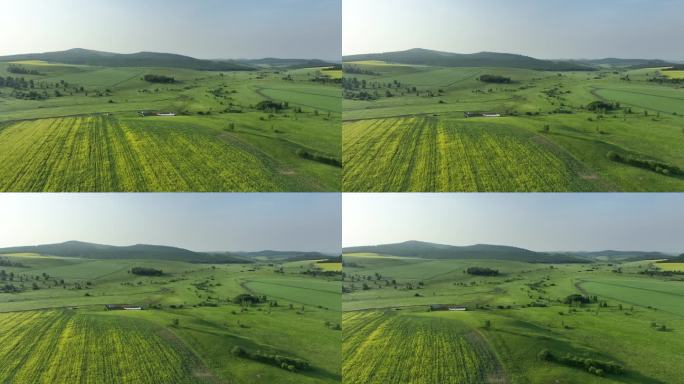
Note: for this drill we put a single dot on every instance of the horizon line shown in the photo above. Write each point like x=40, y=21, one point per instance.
x=516, y=246
x=508, y=53
x=167, y=245
x=216, y=58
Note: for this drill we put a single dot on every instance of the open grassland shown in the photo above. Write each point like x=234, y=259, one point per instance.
x=385, y=348
x=78, y=129
x=633, y=318
x=54, y=327
x=405, y=129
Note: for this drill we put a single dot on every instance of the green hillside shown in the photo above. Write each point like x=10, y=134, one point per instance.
x=79, y=56
x=480, y=251
x=419, y=56
x=84, y=250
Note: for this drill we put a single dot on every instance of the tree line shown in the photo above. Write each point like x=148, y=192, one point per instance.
x=495, y=79
x=151, y=78
x=13, y=68
x=143, y=271
x=292, y=364
x=652, y=165
x=593, y=366
x=482, y=271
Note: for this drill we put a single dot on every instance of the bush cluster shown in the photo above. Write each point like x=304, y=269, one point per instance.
x=596, y=367
x=652, y=165
x=292, y=364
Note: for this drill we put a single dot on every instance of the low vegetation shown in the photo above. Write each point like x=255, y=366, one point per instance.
x=507, y=126
x=55, y=325
x=530, y=323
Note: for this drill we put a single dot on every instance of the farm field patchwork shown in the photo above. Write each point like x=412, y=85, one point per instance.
x=78, y=128
x=443, y=129
x=523, y=325
x=199, y=323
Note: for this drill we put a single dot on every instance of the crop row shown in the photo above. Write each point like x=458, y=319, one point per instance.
x=413, y=349
x=105, y=154
x=431, y=154
x=64, y=347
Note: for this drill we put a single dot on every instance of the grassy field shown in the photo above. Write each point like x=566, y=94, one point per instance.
x=54, y=327
x=409, y=122
x=633, y=319
x=80, y=130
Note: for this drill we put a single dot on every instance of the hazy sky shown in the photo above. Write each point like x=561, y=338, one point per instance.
x=200, y=222
x=539, y=28
x=199, y=28
x=541, y=222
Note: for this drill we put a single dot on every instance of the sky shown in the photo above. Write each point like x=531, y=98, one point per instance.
x=547, y=29
x=539, y=222
x=199, y=222
x=199, y=28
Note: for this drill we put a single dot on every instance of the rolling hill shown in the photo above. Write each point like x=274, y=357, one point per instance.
x=627, y=63
x=622, y=255
x=419, y=56
x=283, y=255
x=480, y=251
x=84, y=250
x=272, y=62
x=79, y=56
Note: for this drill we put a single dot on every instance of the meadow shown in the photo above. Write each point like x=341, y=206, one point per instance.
x=200, y=323
x=424, y=129
x=76, y=128
x=616, y=321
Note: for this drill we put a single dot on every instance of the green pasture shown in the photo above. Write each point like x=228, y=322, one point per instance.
x=635, y=321
x=219, y=140
x=415, y=133
x=189, y=322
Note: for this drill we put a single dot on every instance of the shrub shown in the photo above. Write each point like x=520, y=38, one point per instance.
x=481, y=271
x=159, y=79
x=142, y=271
x=319, y=158
x=495, y=79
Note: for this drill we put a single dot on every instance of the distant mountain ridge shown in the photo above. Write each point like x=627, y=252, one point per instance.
x=628, y=63
x=79, y=56
x=479, y=251
x=622, y=255
x=287, y=63
x=420, y=56
x=284, y=255
x=79, y=249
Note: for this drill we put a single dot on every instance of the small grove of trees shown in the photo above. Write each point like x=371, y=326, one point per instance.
x=593, y=366
x=246, y=298
x=482, y=271
x=292, y=364
x=151, y=78
x=495, y=79
x=319, y=158
x=602, y=106
x=652, y=165
x=13, y=68
x=356, y=70
x=271, y=106
x=576, y=298
x=143, y=271
x=5, y=262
